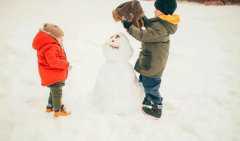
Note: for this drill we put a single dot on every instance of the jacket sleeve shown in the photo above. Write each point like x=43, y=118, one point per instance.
x=53, y=60
x=147, y=35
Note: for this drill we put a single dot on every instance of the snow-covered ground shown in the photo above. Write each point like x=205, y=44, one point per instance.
x=201, y=85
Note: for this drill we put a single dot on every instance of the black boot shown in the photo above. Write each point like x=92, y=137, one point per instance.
x=152, y=109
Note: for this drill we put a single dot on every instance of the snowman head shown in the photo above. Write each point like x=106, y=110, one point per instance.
x=117, y=48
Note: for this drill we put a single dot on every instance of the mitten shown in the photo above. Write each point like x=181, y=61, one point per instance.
x=126, y=24
x=146, y=21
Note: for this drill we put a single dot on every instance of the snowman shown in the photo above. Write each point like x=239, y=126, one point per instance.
x=116, y=89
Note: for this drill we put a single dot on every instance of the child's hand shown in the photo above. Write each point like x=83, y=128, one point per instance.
x=146, y=21
x=126, y=24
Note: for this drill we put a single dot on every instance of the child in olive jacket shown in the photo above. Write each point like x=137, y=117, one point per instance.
x=154, y=52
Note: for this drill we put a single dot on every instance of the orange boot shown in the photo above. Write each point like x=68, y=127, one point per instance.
x=61, y=112
x=49, y=109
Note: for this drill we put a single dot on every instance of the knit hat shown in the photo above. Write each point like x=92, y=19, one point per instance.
x=166, y=6
x=53, y=30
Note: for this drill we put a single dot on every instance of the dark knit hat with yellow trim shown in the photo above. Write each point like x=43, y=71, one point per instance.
x=166, y=6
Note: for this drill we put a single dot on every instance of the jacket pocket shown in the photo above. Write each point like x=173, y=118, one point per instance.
x=145, y=59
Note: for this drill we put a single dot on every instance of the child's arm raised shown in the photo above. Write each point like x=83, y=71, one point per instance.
x=148, y=34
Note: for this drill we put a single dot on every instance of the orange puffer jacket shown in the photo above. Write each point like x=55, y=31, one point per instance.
x=52, y=60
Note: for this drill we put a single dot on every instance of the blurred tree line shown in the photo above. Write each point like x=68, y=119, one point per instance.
x=216, y=2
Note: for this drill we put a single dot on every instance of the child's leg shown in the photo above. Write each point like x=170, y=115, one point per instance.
x=50, y=100
x=151, y=88
x=56, y=92
x=58, y=107
x=140, y=78
x=49, y=107
x=152, y=104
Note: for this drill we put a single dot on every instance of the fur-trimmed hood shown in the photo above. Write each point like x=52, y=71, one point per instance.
x=42, y=39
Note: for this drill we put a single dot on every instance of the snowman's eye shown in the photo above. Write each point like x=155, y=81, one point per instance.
x=117, y=36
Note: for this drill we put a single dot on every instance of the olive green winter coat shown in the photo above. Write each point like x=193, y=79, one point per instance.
x=155, y=46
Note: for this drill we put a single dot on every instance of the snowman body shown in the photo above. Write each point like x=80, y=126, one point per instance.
x=116, y=89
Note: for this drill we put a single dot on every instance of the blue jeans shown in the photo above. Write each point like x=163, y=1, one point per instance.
x=151, y=88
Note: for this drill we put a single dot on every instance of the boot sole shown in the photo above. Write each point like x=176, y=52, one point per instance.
x=150, y=116
x=48, y=111
x=58, y=116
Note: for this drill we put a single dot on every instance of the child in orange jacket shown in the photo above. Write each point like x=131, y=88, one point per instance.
x=52, y=65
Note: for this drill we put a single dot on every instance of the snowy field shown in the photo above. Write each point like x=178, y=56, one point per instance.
x=201, y=84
